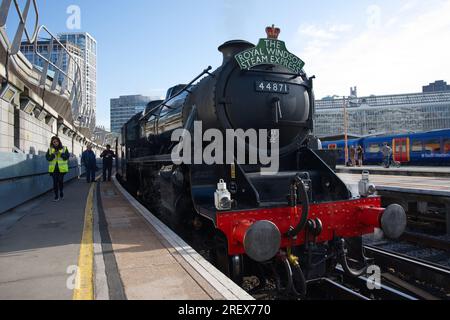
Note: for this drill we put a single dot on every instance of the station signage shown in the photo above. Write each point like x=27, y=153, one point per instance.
x=270, y=51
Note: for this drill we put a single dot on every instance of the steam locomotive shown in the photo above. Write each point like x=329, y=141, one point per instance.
x=292, y=226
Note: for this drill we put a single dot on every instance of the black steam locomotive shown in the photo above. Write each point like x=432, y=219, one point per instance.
x=292, y=226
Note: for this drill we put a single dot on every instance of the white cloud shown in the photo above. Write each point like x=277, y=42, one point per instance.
x=329, y=33
x=400, y=56
x=338, y=28
x=321, y=38
x=315, y=32
x=409, y=5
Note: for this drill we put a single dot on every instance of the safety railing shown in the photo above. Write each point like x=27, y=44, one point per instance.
x=21, y=28
x=67, y=72
x=69, y=77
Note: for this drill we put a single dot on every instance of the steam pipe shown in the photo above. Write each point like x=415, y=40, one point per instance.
x=298, y=185
x=343, y=260
x=301, y=290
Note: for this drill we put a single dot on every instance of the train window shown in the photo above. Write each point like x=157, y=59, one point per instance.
x=433, y=146
x=374, y=148
x=447, y=146
x=417, y=146
x=332, y=147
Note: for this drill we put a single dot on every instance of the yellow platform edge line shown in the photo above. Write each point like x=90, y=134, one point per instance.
x=84, y=288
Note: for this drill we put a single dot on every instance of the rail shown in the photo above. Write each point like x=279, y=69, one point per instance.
x=433, y=274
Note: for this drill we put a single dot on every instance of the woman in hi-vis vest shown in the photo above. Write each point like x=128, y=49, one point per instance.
x=58, y=158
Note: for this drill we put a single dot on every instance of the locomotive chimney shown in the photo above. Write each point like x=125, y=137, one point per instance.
x=231, y=48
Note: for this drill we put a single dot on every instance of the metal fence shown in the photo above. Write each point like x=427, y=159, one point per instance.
x=64, y=82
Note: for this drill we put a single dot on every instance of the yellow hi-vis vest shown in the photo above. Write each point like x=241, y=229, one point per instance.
x=63, y=165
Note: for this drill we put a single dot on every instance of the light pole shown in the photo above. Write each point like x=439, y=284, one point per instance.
x=346, y=131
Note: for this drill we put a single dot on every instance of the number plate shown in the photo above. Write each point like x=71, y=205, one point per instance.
x=273, y=87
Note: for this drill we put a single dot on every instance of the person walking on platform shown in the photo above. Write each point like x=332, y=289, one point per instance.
x=353, y=156
x=387, y=154
x=108, y=155
x=58, y=158
x=360, y=155
x=89, y=161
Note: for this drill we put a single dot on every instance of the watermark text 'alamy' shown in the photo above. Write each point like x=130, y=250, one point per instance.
x=238, y=146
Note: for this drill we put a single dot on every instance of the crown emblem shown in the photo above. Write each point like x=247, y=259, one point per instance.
x=272, y=32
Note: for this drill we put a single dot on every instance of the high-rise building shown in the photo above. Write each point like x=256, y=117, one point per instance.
x=125, y=107
x=88, y=46
x=436, y=86
x=83, y=47
x=43, y=46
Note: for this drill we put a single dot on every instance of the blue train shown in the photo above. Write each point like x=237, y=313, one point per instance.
x=418, y=149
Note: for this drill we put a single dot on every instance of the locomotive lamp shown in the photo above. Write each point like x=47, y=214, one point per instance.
x=222, y=197
x=366, y=188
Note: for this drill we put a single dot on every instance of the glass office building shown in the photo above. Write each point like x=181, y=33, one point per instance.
x=125, y=107
x=43, y=47
x=83, y=48
x=392, y=114
x=88, y=46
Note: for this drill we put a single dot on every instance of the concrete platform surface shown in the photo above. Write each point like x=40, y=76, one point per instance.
x=101, y=245
x=402, y=171
x=40, y=244
x=438, y=186
x=151, y=267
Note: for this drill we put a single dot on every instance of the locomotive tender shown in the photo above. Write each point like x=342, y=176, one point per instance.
x=292, y=226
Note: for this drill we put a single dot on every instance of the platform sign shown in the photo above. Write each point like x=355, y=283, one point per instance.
x=270, y=51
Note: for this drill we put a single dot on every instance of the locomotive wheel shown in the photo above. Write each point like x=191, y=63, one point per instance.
x=290, y=279
x=283, y=276
x=232, y=268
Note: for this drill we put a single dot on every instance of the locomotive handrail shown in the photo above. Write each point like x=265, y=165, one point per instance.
x=185, y=88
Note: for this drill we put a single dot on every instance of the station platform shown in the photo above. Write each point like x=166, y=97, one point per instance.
x=100, y=244
x=419, y=195
x=435, y=186
x=402, y=171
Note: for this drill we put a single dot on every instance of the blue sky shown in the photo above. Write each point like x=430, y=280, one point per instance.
x=145, y=46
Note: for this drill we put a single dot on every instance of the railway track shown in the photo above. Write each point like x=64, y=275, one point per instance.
x=403, y=278
x=421, y=278
x=342, y=287
x=428, y=241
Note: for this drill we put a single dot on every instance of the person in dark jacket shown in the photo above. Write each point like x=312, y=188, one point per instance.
x=360, y=154
x=108, y=156
x=89, y=161
x=353, y=156
x=58, y=158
